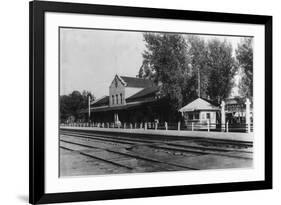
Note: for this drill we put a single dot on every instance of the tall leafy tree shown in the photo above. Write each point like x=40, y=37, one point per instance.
x=244, y=55
x=71, y=105
x=187, y=66
x=167, y=60
x=198, y=52
x=221, y=68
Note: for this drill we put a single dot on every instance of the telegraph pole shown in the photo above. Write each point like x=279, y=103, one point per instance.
x=89, y=108
x=199, y=94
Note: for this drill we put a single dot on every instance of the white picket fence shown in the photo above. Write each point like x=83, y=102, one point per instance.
x=194, y=126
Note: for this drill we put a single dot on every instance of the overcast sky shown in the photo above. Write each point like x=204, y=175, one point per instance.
x=91, y=58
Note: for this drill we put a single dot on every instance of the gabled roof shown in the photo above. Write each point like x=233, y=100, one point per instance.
x=146, y=92
x=199, y=104
x=137, y=82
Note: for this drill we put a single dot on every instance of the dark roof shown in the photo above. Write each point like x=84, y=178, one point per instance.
x=137, y=82
x=146, y=92
x=101, y=102
x=121, y=107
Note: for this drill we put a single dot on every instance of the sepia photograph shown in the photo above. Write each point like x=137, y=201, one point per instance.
x=140, y=101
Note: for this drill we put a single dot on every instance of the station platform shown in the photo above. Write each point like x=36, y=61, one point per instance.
x=232, y=136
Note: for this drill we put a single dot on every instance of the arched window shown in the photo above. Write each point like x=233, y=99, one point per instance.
x=116, y=99
x=112, y=99
x=121, y=100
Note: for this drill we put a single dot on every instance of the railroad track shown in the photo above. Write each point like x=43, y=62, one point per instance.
x=163, y=145
x=78, y=145
x=137, y=154
x=143, y=138
x=95, y=157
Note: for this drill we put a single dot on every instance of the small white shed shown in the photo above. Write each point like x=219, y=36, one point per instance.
x=200, y=112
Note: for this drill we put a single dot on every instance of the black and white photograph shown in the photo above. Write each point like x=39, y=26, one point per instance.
x=133, y=101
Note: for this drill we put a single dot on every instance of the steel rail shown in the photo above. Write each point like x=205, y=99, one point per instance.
x=132, y=155
x=172, y=145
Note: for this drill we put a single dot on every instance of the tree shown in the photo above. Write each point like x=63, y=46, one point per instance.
x=221, y=69
x=166, y=61
x=213, y=67
x=146, y=72
x=244, y=56
x=198, y=52
x=85, y=97
x=186, y=67
x=71, y=105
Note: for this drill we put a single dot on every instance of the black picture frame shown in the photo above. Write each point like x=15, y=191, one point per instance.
x=37, y=9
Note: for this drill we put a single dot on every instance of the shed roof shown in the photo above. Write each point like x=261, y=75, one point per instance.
x=197, y=105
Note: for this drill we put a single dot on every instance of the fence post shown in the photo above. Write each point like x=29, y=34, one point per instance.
x=156, y=125
x=223, y=116
x=248, y=118
x=208, y=124
x=179, y=126
x=141, y=125
x=166, y=125
x=145, y=125
x=131, y=125
x=192, y=126
x=227, y=126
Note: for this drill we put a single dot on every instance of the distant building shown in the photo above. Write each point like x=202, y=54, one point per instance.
x=236, y=110
x=132, y=100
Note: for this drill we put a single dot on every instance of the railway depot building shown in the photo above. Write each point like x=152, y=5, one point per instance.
x=137, y=100
x=131, y=100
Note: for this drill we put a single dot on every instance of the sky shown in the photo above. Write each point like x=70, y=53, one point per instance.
x=90, y=58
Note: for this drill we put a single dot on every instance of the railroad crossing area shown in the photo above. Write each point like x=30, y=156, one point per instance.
x=102, y=151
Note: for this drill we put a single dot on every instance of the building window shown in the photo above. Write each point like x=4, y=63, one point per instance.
x=116, y=99
x=193, y=116
x=121, y=100
x=112, y=99
x=196, y=116
x=208, y=116
x=203, y=116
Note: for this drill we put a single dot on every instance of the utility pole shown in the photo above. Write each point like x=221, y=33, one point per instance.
x=89, y=108
x=199, y=94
